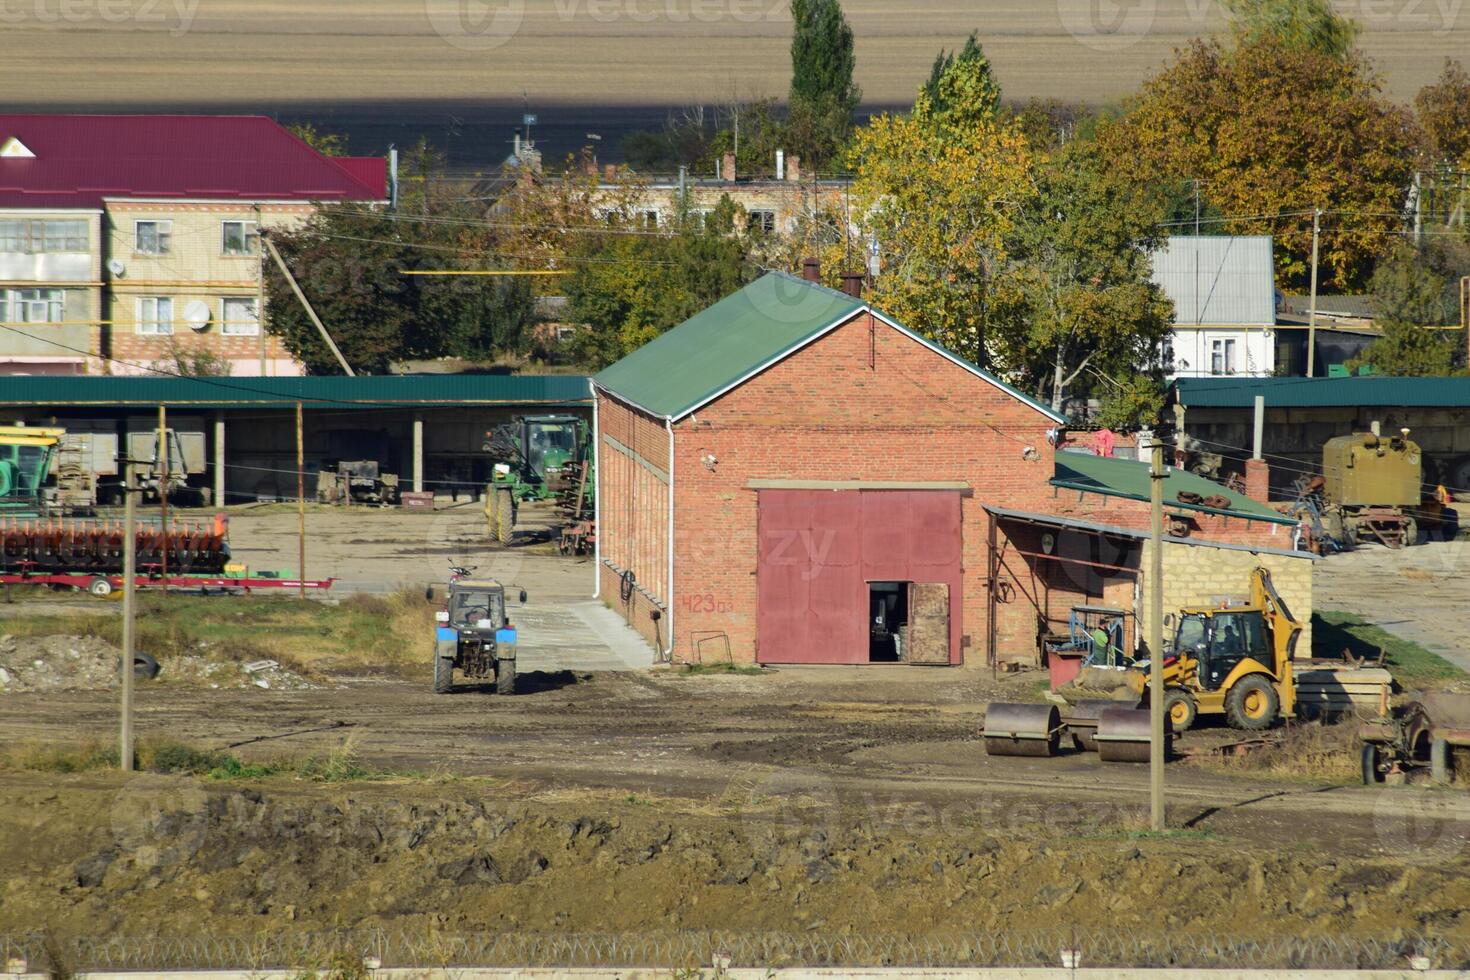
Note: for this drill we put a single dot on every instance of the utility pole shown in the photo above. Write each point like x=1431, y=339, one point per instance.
x=306, y=305
x=160, y=470
x=1312, y=311
x=1156, y=639
x=130, y=539
x=1418, y=208
x=300, y=508
x=259, y=297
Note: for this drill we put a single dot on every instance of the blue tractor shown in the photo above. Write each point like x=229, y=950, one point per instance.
x=473, y=634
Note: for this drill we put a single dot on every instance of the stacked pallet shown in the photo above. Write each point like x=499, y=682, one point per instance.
x=1342, y=687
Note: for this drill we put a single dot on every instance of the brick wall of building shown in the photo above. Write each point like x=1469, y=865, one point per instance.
x=633, y=528
x=865, y=402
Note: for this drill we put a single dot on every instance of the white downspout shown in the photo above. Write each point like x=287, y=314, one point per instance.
x=669, y=590
x=596, y=497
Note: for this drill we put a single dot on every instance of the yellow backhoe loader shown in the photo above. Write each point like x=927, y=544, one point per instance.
x=1234, y=660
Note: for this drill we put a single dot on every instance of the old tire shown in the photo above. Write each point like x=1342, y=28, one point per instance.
x=100, y=586
x=1369, y=762
x=505, y=677
x=443, y=675
x=503, y=520
x=1252, y=704
x=145, y=668
x=1179, y=709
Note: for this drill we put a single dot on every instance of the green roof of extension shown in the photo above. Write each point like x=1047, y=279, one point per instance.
x=1130, y=478
x=740, y=336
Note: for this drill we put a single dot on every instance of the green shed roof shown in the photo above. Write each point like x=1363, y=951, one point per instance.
x=1369, y=392
x=1130, y=478
x=337, y=391
x=740, y=336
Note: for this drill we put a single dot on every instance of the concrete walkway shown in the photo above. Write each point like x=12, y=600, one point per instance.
x=571, y=634
x=1421, y=594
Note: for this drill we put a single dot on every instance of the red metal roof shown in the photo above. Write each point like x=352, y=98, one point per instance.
x=81, y=159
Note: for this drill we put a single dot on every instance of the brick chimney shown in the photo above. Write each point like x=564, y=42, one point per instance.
x=1258, y=480
x=852, y=284
x=811, y=270
x=727, y=167
x=793, y=168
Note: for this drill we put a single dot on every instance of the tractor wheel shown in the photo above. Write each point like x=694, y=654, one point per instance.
x=1369, y=758
x=100, y=586
x=443, y=674
x=1252, y=704
x=505, y=677
x=1180, y=709
x=503, y=521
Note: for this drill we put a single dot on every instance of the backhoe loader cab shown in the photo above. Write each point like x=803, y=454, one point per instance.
x=1234, y=660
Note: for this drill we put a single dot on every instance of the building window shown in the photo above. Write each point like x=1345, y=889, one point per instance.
x=239, y=238
x=40, y=235
x=650, y=219
x=153, y=237
x=237, y=316
x=1222, y=356
x=761, y=221
x=31, y=306
x=155, y=315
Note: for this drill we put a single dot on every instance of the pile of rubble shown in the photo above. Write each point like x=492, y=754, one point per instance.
x=89, y=663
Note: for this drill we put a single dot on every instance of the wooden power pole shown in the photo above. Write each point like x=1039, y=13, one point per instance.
x=130, y=560
x=1156, y=639
x=1312, y=306
x=300, y=507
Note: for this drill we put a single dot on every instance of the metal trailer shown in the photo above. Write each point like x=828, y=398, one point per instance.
x=105, y=585
x=1423, y=734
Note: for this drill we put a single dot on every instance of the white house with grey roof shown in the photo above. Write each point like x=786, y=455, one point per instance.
x=1224, y=305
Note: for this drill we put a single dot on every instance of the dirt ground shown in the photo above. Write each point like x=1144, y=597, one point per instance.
x=843, y=801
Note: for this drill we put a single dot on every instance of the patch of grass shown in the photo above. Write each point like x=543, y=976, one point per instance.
x=1313, y=752
x=1412, y=666
x=336, y=766
x=693, y=670
x=360, y=630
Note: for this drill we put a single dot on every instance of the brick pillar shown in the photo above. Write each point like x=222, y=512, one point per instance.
x=1258, y=480
x=727, y=168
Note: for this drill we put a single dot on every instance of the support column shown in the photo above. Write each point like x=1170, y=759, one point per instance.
x=219, y=459
x=418, y=453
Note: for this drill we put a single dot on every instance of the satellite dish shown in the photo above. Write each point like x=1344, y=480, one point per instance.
x=196, y=314
x=117, y=267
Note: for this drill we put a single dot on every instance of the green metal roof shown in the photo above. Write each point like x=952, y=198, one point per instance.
x=1369, y=392
x=740, y=336
x=1130, y=478
x=336, y=391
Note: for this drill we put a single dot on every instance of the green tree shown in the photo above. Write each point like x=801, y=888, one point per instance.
x=1272, y=132
x=962, y=78
x=324, y=142
x=823, y=94
x=625, y=290
x=940, y=190
x=1309, y=25
x=1443, y=111
x=1411, y=300
x=1081, y=250
x=350, y=263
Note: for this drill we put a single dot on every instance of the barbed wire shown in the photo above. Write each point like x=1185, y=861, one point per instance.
x=1092, y=948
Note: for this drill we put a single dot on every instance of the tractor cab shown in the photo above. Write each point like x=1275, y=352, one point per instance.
x=25, y=462
x=1218, y=640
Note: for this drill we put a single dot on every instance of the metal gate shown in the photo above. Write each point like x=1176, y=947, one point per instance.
x=819, y=549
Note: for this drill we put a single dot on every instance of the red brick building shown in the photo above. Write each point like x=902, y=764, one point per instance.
x=791, y=476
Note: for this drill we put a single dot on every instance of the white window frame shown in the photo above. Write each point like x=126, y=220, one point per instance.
x=163, y=235
x=762, y=220
x=19, y=238
x=33, y=236
x=16, y=306
x=1224, y=349
x=159, y=320
x=250, y=231
x=238, y=327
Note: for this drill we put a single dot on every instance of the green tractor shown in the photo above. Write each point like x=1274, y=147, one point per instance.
x=25, y=462
x=538, y=457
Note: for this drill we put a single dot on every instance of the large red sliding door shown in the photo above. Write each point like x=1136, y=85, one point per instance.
x=819, y=549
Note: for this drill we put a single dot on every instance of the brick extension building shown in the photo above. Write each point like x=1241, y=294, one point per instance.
x=790, y=467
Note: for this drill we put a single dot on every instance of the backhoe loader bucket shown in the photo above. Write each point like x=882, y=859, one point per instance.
x=1022, y=729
